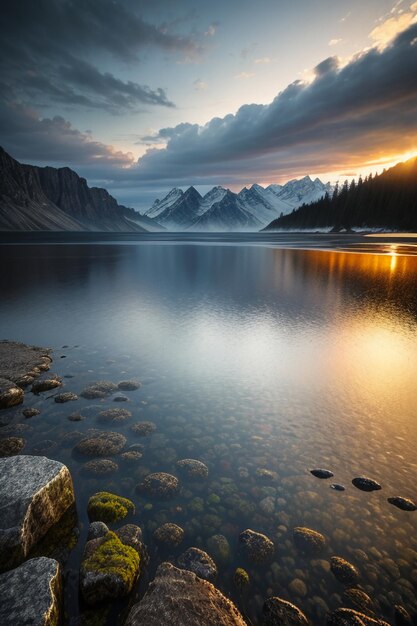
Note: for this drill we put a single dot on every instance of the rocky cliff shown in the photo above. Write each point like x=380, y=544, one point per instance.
x=47, y=198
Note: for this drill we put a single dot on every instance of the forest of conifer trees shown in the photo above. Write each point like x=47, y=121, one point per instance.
x=386, y=201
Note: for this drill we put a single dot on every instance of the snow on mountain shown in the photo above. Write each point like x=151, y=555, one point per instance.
x=183, y=212
x=160, y=205
x=226, y=215
x=250, y=209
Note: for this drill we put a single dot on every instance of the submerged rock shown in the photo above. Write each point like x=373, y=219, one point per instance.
x=31, y=594
x=67, y=396
x=159, y=485
x=358, y=599
x=100, y=467
x=10, y=394
x=402, y=616
x=405, y=504
x=131, y=456
x=108, y=570
x=169, y=534
x=114, y=415
x=193, y=468
x=366, y=484
x=129, y=385
x=182, y=598
x=344, y=571
x=143, y=429
x=241, y=578
x=11, y=446
x=279, y=612
x=35, y=492
x=256, y=546
x=199, y=562
x=322, y=473
x=108, y=507
x=103, y=444
x=100, y=389
x=349, y=617
x=30, y=412
x=220, y=549
x=308, y=540
x=46, y=384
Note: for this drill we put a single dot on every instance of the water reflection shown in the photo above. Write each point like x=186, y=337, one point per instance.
x=250, y=358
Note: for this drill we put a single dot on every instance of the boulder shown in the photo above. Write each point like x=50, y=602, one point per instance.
x=344, y=571
x=129, y=385
x=100, y=389
x=169, y=534
x=104, y=443
x=109, y=569
x=309, y=541
x=193, y=468
x=349, y=617
x=10, y=394
x=46, y=384
x=159, y=485
x=9, y=446
x=31, y=594
x=20, y=363
x=366, y=484
x=178, y=597
x=108, y=507
x=34, y=493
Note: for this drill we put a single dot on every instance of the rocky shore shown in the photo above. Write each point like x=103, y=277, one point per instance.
x=133, y=547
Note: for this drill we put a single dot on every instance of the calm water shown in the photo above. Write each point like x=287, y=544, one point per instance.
x=250, y=358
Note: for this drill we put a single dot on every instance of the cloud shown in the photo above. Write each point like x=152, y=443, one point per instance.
x=244, y=75
x=51, y=51
x=54, y=140
x=200, y=85
x=262, y=61
x=342, y=117
x=335, y=42
x=393, y=24
x=211, y=31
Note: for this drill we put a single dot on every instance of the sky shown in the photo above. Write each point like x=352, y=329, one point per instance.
x=140, y=96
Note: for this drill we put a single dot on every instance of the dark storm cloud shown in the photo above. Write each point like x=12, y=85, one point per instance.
x=50, y=52
x=368, y=104
x=54, y=140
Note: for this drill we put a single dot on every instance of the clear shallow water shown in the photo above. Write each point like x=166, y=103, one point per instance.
x=250, y=357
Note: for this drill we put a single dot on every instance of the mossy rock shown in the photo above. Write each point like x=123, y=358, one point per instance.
x=241, y=578
x=108, y=507
x=110, y=570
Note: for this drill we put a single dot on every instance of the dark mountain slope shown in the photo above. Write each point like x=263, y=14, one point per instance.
x=47, y=198
x=226, y=215
x=386, y=201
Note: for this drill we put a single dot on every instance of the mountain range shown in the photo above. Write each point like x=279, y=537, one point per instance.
x=385, y=201
x=47, y=198
x=223, y=210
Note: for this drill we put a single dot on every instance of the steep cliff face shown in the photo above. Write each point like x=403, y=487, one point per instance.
x=47, y=198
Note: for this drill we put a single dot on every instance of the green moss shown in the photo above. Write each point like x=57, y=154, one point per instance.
x=107, y=507
x=213, y=499
x=241, y=578
x=115, y=558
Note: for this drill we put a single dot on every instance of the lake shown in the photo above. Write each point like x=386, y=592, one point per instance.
x=254, y=354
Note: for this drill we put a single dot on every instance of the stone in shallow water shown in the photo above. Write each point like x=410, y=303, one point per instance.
x=100, y=389
x=143, y=429
x=100, y=467
x=337, y=487
x=67, y=396
x=11, y=446
x=220, y=549
x=366, y=484
x=322, y=473
x=31, y=594
x=34, y=493
x=256, y=546
x=279, y=612
x=193, y=468
x=358, y=599
x=102, y=444
x=402, y=616
x=108, y=570
x=114, y=415
x=349, y=617
x=405, y=504
x=129, y=385
x=170, y=534
x=10, y=394
x=308, y=540
x=159, y=485
x=199, y=562
x=344, y=571
x=97, y=530
x=108, y=507
x=46, y=384
x=131, y=456
x=30, y=412
x=182, y=598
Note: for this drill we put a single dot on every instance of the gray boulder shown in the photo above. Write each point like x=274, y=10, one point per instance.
x=31, y=594
x=178, y=597
x=34, y=493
